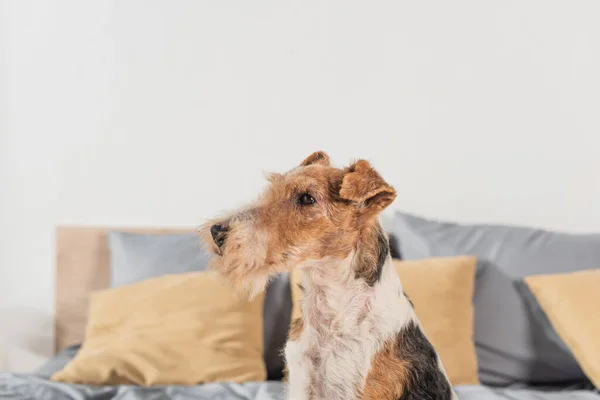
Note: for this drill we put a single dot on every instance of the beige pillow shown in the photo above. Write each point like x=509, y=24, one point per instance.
x=572, y=303
x=177, y=329
x=441, y=290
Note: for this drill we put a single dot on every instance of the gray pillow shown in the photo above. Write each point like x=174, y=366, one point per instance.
x=518, y=251
x=135, y=257
x=512, y=346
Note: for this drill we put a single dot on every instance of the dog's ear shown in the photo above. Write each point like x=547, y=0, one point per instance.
x=364, y=186
x=318, y=157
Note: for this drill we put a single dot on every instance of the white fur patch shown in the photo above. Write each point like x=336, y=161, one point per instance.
x=346, y=322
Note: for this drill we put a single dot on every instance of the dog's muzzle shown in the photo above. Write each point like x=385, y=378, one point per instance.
x=219, y=234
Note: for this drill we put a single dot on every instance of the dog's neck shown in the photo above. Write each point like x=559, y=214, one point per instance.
x=340, y=294
x=364, y=263
x=372, y=252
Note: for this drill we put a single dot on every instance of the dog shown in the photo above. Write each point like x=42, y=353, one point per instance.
x=359, y=337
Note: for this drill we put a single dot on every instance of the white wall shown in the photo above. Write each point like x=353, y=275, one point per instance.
x=163, y=113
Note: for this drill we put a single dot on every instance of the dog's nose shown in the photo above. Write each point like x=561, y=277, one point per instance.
x=218, y=233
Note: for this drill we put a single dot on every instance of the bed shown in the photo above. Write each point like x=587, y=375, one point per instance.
x=83, y=266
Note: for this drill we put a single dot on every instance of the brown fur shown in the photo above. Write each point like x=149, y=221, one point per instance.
x=296, y=329
x=387, y=378
x=366, y=259
x=362, y=184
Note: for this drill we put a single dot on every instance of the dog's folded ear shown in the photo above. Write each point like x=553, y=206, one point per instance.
x=363, y=185
x=318, y=157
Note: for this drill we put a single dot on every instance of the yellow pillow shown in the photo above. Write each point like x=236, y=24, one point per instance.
x=177, y=329
x=441, y=290
x=571, y=301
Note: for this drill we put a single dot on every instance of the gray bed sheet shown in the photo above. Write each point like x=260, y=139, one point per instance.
x=486, y=393
x=25, y=387
x=38, y=386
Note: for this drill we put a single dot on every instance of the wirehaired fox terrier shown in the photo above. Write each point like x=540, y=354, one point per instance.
x=359, y=337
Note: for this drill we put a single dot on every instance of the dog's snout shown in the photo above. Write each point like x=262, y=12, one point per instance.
x=219, y=233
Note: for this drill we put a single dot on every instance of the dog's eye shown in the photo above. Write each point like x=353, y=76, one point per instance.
x=306, y=199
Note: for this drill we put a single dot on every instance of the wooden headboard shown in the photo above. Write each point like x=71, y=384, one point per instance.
x=82, y=266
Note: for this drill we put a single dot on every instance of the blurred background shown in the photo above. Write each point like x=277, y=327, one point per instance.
x=155, y=113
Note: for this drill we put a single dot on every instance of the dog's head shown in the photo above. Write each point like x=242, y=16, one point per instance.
x=312, y=212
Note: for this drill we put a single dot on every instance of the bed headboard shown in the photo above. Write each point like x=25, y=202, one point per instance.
x=82, y=266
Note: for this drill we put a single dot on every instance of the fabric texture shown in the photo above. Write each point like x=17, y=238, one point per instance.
x=135, y=257
x=58, y=362
x=571, y=303
x=489, y=393
x=441, y=290
x=177, y=329
x=512, y=347
x=27, y=387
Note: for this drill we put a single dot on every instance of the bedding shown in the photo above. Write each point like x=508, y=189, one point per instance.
x=82, y=266
x=20, y=387
x=26, y=387
x=487, y=393
x=512, y=348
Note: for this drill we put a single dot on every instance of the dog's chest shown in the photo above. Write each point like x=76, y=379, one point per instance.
x=337, y=363
x=335, y=349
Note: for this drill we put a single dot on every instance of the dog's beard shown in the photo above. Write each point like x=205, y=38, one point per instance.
x=242, y=261
x=246, y=277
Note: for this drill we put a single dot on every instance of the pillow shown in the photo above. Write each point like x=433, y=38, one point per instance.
x=518, y=251
x=177, y=329
x=441, y=290
x=135, y=257
x=508, y=339
x=511, y=346
x=570, y=301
